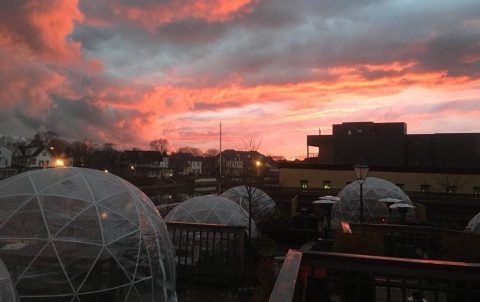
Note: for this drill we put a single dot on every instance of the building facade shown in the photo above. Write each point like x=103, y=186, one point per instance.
x=389, y=145
x=334, y=177
x=144, y=163
x=5, y=157
x=37, y=157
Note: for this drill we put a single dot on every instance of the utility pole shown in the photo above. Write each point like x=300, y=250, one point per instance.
x=220, y=164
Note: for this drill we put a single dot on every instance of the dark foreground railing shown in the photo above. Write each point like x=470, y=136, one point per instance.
x=215, y=251
x=322, y=276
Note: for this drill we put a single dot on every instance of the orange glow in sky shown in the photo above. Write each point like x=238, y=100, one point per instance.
x=128, y=72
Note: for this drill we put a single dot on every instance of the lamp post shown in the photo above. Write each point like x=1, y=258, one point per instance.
x=361, y=171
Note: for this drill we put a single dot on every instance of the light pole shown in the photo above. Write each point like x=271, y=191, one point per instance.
x=361, y=171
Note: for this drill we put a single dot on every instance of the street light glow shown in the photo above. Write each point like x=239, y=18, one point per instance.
x=59, y=163
x=258, y=163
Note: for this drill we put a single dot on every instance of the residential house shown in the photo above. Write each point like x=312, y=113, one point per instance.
x=36, y=157
x=187, y=164
x=239, y=164
x=145, y=163
x=194, y=167
x=5, y=157
x=6, y=162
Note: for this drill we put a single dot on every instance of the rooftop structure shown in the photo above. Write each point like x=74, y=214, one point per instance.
x=75, y=234
x=389, y=145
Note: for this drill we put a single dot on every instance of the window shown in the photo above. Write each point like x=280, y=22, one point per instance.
x=327, y=184
x=349, y=132
x=476, y=192
x=359, y=130
x=425, y=188
x=304, y=184
x=451, y=189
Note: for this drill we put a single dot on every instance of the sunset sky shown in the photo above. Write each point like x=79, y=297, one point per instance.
x=129, y=71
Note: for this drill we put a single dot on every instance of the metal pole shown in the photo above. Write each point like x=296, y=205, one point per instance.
x=329, y=215
x=361, y=202
x=220, y=165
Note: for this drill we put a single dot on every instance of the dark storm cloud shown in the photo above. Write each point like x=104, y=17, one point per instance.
x=457, y=52
x=84, y=118
x=282, y=41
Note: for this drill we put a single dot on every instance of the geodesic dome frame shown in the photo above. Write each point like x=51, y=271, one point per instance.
x=210, y=209
x=7, y=290
x=473, y=225
x=374, y=211
x=262, y=204
x=75, y=234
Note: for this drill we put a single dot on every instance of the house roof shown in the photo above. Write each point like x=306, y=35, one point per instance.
x=140, y=155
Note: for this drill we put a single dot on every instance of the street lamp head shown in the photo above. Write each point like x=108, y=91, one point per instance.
x=258, y=163
x=361, y=171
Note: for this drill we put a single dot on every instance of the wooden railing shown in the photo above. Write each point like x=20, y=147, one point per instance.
x=323, y=276
x=284, y=289
x=208, y=250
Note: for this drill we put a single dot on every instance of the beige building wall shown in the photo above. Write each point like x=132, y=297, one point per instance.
x=411, y=181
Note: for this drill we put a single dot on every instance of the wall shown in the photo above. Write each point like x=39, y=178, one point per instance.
x=291, y=177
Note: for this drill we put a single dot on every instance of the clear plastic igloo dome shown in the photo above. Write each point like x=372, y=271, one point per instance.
x=210, y=209
x=262, y=204
x=74, y=234
x=473, y=225
x=374, y=211
x=7, y=290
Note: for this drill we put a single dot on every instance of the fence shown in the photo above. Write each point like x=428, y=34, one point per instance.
x=216, y=251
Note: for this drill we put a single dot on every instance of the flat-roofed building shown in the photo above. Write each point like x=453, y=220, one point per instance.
x=389, y=145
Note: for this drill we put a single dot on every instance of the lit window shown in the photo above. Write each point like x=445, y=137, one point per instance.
x=327, y=184
x=349, y=132
x=451, y=189
x=476, y=192
x=359, y=130
x=304, y=184
x=425, y=188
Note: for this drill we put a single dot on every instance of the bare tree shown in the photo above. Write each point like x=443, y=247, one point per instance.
x=251, y=145
x=191, y=150
x=42, y=138
x=160, y=145
x=211, y=152
x=449, y=183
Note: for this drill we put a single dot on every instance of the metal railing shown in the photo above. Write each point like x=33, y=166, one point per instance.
x=208, y=250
